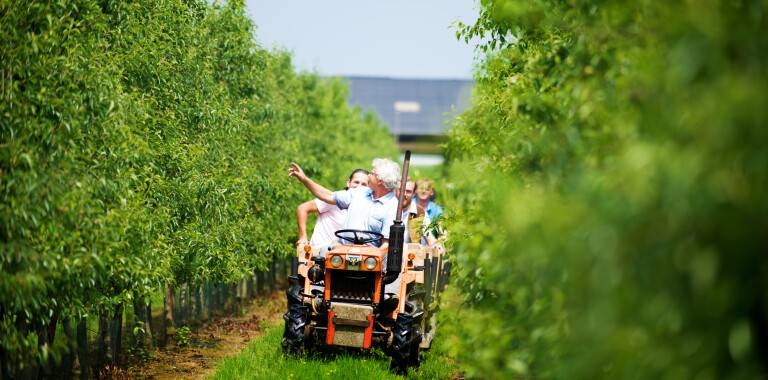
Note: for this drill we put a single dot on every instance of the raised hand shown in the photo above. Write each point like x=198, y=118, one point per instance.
x=295, y=171
x=319, y=191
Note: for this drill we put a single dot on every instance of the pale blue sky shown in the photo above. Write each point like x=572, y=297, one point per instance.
x=394, y=38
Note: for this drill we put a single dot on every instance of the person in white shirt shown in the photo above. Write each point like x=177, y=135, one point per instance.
x=330, y=217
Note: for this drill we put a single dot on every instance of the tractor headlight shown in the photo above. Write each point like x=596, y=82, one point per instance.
x=336, y=261
x=370, y=263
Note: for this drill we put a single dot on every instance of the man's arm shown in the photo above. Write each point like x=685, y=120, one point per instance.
x=302, y=212
x=316, y=189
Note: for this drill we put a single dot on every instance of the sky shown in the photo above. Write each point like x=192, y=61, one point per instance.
x=389, y=38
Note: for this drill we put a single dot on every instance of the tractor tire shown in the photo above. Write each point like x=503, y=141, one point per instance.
x=295, y=321
x=405, y=343
x=414, y=359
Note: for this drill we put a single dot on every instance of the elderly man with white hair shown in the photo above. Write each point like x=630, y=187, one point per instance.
x=370, y=208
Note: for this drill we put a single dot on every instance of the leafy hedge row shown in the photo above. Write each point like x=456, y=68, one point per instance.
x=145, y=143
x=617, y=224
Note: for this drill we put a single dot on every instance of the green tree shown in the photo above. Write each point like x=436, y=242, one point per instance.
x=144, y=144
x=616, y=223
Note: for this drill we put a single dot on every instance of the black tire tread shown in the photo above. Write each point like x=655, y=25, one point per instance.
x=406, y=340
x=295, y=321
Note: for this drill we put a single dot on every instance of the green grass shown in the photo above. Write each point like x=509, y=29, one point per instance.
x=263, y=359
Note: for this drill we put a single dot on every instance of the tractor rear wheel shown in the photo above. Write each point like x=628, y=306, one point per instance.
x=295, y=321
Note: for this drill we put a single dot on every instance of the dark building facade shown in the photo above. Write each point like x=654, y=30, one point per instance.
x=437, y=101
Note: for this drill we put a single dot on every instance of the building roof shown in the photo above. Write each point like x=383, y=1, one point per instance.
x=438, y=101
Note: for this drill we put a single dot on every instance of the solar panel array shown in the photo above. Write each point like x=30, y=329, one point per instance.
x=439, y=100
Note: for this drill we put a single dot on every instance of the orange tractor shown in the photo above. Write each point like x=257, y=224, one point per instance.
x=361, y=296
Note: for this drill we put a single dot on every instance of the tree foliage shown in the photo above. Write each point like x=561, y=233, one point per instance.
x=145, y=143
x=616, y=223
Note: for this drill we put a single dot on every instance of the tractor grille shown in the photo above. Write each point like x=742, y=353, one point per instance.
x=352, y=286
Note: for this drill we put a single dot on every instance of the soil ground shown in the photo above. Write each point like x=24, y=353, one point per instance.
x=209, y=344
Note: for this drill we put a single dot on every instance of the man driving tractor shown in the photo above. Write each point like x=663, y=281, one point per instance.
x=370, y=208
x=330, y=217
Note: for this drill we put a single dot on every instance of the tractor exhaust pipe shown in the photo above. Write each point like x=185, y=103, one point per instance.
x=397, y=230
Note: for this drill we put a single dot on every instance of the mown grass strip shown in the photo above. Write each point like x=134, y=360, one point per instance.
x=263, y=359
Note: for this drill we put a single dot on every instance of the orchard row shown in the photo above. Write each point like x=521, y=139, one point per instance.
x=616, y=226
x=144, y=145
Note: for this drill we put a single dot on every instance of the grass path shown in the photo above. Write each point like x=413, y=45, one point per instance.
x=248, y=347
x=263, y=359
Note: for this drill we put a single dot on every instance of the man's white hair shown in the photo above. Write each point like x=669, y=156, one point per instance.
x=388, y=172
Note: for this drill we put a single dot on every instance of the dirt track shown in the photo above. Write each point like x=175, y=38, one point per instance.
x=211, y=343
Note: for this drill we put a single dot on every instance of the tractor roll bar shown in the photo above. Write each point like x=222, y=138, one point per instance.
x=403, y=180
x=397, y=230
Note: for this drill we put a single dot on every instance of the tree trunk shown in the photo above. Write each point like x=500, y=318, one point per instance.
x=82, y=349
x=182, y=305
x=4, y=370
x=40, y=366
x=24, y=370
x=260, y=282
x=249, y=286
x=137, y=331
x=148, y=324
x=67, y=360
x=198, y=304
x=209, y=299
x=47, y=367
x=188, y=303
x=116, y=334
x=168, y=323
x=214, y=306
x=101, y=343
x=272, y=277
x=234, y=290
x=279, y=271
x=222, y=294
x=177, y=306
x=227, y=306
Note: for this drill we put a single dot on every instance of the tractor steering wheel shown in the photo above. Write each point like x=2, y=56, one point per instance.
x=357, y=239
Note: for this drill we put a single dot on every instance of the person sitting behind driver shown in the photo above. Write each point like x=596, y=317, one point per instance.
x=425, y=198
x=370, y=208
x=330, y=217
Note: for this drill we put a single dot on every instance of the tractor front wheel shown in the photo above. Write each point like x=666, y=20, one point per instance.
x=295, y=321
x=405, y=343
